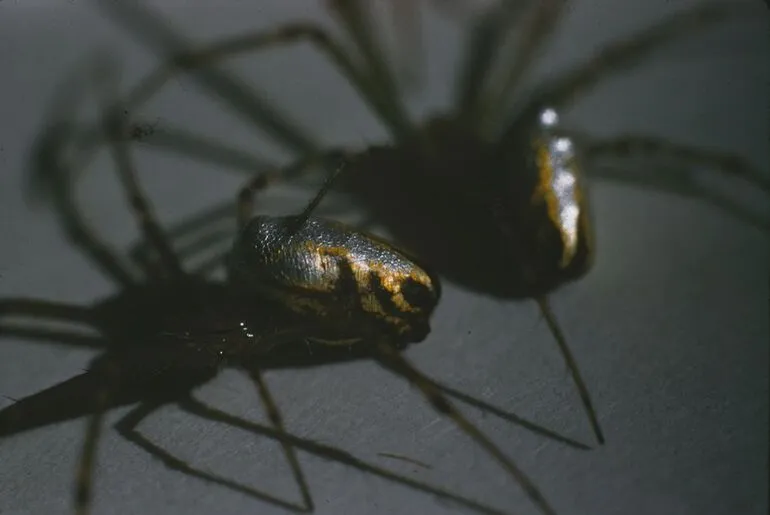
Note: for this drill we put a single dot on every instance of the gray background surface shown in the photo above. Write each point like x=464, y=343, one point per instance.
x=670, y=329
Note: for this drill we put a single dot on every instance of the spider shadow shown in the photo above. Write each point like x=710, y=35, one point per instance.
x=145, y=356
x=80, y=396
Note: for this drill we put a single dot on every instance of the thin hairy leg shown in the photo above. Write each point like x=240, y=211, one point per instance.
x=127, y=427
x=485, y=40
x=262, y=181
x=407, y=21
x=206, y=229
x=288, y=34
x=538, y=27
x=152, y=30
x=629, y=52
x=357, y=22
x=680, y=179
x=728, y=163
x=658, y=181
x=510, y=417
x=392, y=360
x=198, y=148
x=195, y=407
x=274, y=414
x=561, y=341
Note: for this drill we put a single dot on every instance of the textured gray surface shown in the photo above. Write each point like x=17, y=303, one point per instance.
x=670, y=329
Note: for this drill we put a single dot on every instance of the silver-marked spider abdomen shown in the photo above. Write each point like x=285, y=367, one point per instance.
x=339, y=274
x=551, y=219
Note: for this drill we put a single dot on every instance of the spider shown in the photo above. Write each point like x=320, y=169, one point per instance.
x=495, y=173
x=301, y=291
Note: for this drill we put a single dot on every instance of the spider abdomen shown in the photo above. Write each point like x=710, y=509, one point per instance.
x=324, y=269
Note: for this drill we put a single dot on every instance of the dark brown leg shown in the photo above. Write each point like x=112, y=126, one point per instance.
x=646, y=146
x=538, y=27
x=485, y=40
x=561, y=341
x=357, y=22
x=629, y=52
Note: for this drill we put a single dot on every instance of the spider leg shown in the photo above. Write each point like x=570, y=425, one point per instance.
x=109, y=372
x=202, y=148
x=45, y=308
x=407, y=19
x=630, y=52
x=678, y=180
x=82, y=341
x=277, y=421
x=244, y=210
x=510, y=417
x=288, y=34
x=390, y=359
x=127, y=427
x=561, y=341
x=143, y=212
x=206, y=236
x=201, y=232
x=357, y=22
x=485, y=40
x=245, y=101
x=156, y=33
x=50, y=310
x=261, y=181
x=538, y=27
x=51, y=169
x=647, y=146
x=207, y=227
x=195, y=407
x=657, y=181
